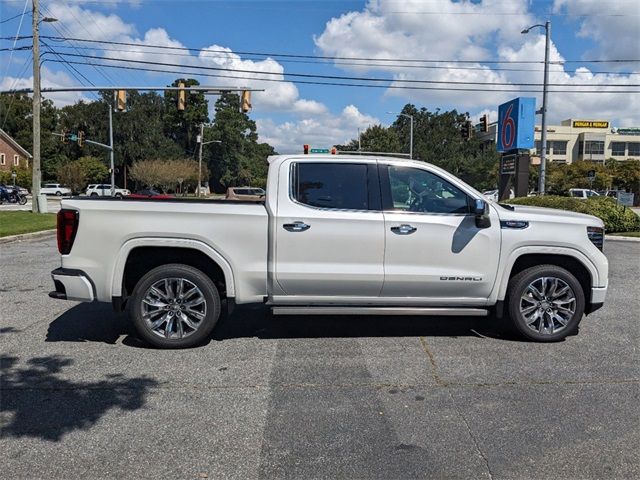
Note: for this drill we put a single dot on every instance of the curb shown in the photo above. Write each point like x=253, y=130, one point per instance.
x=617, y=238
x=27, y=236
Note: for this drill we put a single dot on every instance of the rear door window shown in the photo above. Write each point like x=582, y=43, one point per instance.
x=331, y=185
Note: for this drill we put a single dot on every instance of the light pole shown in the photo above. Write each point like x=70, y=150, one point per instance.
x=36, y=174
x=410, y=131
x=543, y=110
x=202, y=144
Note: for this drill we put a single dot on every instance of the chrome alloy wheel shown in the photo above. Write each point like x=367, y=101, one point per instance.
x=174, y=308
x=547, y=305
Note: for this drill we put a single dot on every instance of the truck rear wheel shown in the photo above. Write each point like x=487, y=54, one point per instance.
x=174, y=306
x=546, y=303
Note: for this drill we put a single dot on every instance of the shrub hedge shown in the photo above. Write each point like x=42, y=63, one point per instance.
x=615, y=217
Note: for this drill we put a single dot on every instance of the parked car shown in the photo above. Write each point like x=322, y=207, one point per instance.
x=355, y=236
x=493, y=194
x=150, y=193
x=104, y=190
x=582, y=193
x=55, y=189
x=245, y=193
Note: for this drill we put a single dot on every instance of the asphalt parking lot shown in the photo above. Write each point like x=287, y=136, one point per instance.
x=313, y=397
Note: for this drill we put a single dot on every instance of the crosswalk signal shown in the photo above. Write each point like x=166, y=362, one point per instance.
x=245, y=104
x=182, y=97
x=334, y=151
x=305, y=149
x=121, y=100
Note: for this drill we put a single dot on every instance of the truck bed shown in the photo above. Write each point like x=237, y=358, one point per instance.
x=237, y=230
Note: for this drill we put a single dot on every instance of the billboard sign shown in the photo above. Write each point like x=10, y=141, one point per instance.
x=508, y=164
x=590, y=124
x=516, y=123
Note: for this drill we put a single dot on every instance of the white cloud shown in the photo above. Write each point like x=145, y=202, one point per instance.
x=471, y=31
x=322, y=130
x=615, y=29
x=49, y=79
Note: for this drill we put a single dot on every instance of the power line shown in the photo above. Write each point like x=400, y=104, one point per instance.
x=398, y=87
x=355, y=64
x=326, y=57
x=11, y=18
x=341, y=77
x=110, y=80
x=15, y=81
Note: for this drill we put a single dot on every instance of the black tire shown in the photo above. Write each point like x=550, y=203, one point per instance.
x=58, y=193
x=94, y=194
x=22, y=199
x=118, y=195
x=190, y=274
x=518, y=287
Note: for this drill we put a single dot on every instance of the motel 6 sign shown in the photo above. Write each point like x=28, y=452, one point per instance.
x=516, y=123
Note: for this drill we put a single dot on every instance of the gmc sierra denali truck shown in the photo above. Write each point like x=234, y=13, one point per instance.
x=334, y=235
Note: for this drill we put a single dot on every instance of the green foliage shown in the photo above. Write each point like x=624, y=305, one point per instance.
x=437, y=140
x=73, y=176
x=616, y=218
x=94, y=169
x=239, y=159
x=23, y=176
x=182, y=127
x=168, y=174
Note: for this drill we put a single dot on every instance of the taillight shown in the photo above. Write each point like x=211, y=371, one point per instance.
x=67, y=228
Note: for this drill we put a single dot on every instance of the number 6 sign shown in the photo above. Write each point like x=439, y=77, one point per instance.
x=516, y=123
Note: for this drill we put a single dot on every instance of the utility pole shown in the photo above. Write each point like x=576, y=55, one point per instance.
x=200, y=159
x=36, y=175
x=543, y=139
x=543, y=110
x=111, y=161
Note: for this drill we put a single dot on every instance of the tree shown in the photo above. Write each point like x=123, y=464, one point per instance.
x=23, y=176
x=182, y=126
x=73, y=176
x=239, y=159
x=167, y=174
x=93, y=168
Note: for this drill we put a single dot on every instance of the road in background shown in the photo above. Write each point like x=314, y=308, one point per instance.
x=303, y=397
x=53, y=204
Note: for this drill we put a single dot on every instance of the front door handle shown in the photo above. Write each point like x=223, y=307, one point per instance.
x=403, y=229
x=296, y=227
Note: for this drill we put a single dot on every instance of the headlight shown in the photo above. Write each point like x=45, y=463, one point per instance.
x=596, y=235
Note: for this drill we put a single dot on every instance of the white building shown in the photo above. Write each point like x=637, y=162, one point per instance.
x=575, y=140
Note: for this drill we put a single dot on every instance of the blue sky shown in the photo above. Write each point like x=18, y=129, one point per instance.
x=288, y=115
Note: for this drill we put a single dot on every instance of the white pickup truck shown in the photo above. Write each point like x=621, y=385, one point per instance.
x=334, y=236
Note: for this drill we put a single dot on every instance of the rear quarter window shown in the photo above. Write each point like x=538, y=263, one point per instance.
x=331, y=185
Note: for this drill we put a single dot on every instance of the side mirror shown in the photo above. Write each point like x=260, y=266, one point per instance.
x=481, y=211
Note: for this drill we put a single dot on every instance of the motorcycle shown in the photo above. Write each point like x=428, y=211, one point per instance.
x=12, y=195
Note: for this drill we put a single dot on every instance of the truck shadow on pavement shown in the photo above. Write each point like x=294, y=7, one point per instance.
x=97, y=322
x=37, y=402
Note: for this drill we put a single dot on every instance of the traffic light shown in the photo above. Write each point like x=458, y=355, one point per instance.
x=245, y=103
x=484, y=123
x=80, y=138
x=121, y=100
x=182, y=96
x=65, y=138
x=465, y=130
x=305, y=148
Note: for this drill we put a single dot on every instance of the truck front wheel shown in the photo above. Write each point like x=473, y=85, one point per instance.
x=546, y=303
x=174, y=306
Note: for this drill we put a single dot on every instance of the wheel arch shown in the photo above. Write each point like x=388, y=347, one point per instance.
x=138, y=256
x=569, y=259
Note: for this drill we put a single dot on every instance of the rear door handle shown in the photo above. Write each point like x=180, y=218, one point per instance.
x=296, y=227
x=403, y=229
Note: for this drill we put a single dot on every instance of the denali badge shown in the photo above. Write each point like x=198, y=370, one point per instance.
x=463, y=279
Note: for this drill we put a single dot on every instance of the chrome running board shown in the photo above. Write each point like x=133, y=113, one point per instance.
x=337, y=310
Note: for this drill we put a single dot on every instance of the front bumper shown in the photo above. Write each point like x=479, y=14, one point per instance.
x=598, y=295
x=72, y=285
